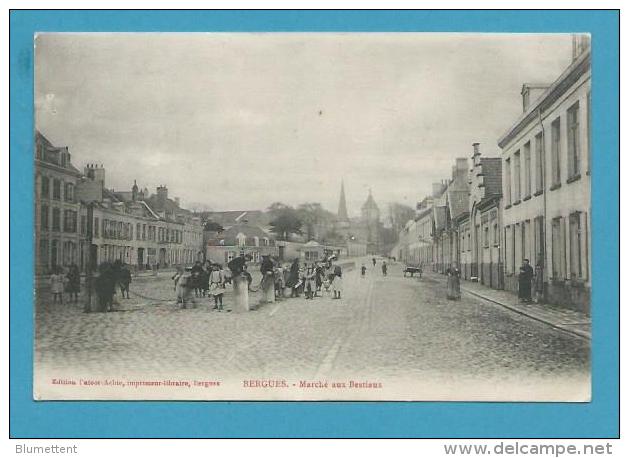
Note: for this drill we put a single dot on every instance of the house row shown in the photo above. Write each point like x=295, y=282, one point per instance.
x=530, y=201
x=78, y=220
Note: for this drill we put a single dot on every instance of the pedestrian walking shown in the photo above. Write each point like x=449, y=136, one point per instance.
x=73, y=285
x=293, y=278
x=363, y=270
x=337, y=283
x=384, y=268
x=309, y=283
x=124, y=280
x=267, y=269
x=217, y=287
x=454, y=283
x=373, y=260
x=105, y=286
x=525, y=277
x=56, y=285
x=197, y=282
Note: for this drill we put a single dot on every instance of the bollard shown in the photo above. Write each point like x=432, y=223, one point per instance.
x=241, y=294
x=268, y=289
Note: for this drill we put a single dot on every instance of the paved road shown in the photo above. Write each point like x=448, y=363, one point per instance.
x=384, y=328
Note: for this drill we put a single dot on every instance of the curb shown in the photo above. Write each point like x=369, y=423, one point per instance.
x=574, y=332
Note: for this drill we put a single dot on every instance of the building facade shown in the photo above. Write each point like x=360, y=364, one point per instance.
x=480, y=236
x=547, y=186
x=242, y=238
x=57, y=238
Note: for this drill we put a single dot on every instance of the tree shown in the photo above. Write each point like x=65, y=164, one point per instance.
x=313, y=216
x=212, y=226
x=399, y=215
x=284, y=220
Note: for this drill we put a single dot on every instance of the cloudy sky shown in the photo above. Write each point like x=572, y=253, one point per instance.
x=238, y=121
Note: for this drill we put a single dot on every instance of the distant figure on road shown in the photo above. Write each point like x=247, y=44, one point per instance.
x=454, y=283
x=363, y=270
x=524, y=281
x=384, y=268
x=73, y=286
x=337, y=283
x=373, y=260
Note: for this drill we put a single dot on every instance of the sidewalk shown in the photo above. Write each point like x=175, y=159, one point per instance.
x=567, y=320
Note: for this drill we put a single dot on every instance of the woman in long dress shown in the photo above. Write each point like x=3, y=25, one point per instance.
x=454, y=283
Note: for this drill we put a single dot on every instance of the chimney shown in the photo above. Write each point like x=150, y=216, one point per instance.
x=461, y=168
x=476, y=155
x=162, y=195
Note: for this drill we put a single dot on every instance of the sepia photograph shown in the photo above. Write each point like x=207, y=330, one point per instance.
x=312, y=216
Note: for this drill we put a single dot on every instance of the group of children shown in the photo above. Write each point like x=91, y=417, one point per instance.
x=207, y=280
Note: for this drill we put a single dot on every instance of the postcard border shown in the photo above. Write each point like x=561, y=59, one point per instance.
x=265, y=419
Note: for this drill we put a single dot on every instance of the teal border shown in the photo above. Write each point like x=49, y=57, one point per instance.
x=597, y=419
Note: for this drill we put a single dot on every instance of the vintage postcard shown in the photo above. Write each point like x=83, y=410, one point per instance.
x=312, y=216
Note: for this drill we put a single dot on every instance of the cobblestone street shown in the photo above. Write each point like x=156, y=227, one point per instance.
x=384, y=328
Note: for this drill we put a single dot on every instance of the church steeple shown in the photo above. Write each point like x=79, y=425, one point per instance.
x=342, y=213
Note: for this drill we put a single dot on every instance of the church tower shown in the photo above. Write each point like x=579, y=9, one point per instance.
x=342, y=213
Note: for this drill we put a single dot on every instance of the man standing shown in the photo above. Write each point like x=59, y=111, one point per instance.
x=384, y=268
x=524, y=281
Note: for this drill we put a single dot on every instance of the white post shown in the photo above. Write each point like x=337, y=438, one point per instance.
x=241, y=294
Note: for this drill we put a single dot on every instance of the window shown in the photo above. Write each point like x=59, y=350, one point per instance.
x=56, y=219
x=527, y=169
x=555, y=150
x=575, y=246
x=105, y=230
x=45, y=187
x=496, y=234
x=558, y=249
x=43, y=252
x=43, y=217
x=486, y=236
x=143, y=231
x=54, y=251
x=83, y=224
x=69, y=192
x=508, y=180
x=574, y=149
x=56, y=189
x=516, y=177
x=526, y=240
x=130, y=230
x=96, y=227
x=137, y=231
x=538, y=227
x=539, y=163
